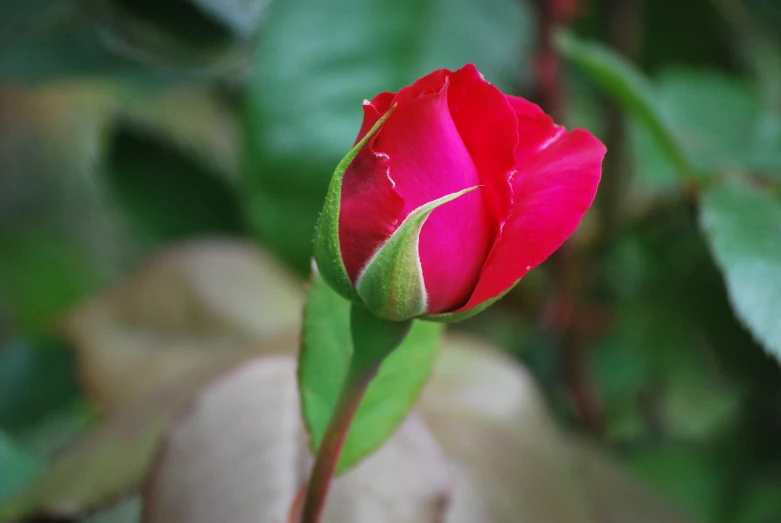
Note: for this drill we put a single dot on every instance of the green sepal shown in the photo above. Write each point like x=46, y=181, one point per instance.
x=327, y=251
x=391, y=285
x=455, y=317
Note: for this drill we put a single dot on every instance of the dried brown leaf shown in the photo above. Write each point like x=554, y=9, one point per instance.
x=239, y=454
x=112, y=460
x=514, y=465
x=174, y=315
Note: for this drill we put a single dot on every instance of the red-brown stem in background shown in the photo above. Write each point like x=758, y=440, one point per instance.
x=565, y=314
x=549, y=82
x=623, y=17
x=624, y=36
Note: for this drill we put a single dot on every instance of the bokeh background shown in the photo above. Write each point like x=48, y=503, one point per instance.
x=162, y=164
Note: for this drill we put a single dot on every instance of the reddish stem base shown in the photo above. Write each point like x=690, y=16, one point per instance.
x=331, y=448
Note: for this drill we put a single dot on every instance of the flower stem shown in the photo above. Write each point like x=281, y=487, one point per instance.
x=373, y=340
x=333, y=442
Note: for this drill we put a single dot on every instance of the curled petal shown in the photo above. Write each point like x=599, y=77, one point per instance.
x=487, y=124
x=555, y=184
x=432, y=83
x=370, y=209
x=536, y=129
x=372, y=111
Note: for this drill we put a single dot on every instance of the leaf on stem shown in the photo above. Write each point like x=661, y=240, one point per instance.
x=323, y=363
x=743, y=227
x=630, y=88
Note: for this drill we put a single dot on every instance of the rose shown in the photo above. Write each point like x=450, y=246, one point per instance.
x=453, y=192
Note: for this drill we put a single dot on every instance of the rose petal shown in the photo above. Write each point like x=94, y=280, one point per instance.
x=370, y=208
x=535, y=128
x=428, y=160
x=486, y=122
x=383, y=101
x=372, y=111
x=432, y=83
x=555, y=184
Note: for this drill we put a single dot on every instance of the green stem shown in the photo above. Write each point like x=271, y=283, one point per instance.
x=373, y=340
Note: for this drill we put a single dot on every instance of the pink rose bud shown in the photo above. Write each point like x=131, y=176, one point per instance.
x=453, y=192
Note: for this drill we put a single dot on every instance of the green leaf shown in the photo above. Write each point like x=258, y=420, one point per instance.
x=743, y=227
x=242, y=17
x=37, y=379
x=684, y=372
x=759, y=501
x=619, y=78
x=718, y=119
x=129, y=510
x=714, y=116
x=323, y=364
x=166, y=195
x=690, y=477
x=392, y=285
x=45, y=39
x=328, y=252
x=317, y=61
x=58, y=40
x=164, y=27
x=41, y=274
x=130, y=39
x=17, y=467
x=765, y=13
x=59, y=240
x=692, y=397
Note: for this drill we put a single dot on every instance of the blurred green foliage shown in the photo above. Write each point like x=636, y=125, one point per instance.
x=19, y=467
x=167, y=196
x=301, y=109
x=105, y=157
x=24, y=366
